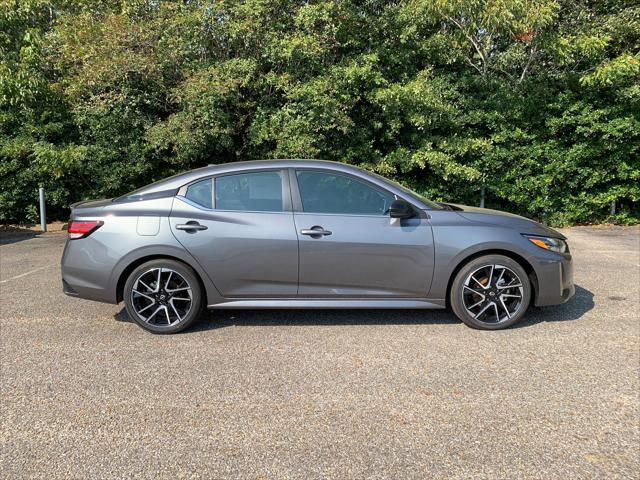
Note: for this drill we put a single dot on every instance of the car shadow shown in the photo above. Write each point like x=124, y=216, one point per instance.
x=574, y=309
x=213, y=319
x=15, y=236
x=303, y=317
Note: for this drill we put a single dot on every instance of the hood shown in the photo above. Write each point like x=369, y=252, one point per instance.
x=505, y=219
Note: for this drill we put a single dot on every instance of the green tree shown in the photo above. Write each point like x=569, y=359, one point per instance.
x=534, y=100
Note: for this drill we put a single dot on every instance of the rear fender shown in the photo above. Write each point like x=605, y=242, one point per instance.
x=159, y=251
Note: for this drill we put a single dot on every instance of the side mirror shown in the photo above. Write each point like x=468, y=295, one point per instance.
x=401, y=209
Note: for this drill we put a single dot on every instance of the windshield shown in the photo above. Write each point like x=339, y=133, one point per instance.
x=431, y=204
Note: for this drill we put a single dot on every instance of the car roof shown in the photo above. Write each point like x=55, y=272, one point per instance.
x=281, y=163
x=181, y=179
x=178, y=181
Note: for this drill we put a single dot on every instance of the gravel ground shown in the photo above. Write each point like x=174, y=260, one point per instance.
x=321, y=394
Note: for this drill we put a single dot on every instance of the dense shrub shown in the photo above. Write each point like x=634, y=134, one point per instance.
x=536, y=101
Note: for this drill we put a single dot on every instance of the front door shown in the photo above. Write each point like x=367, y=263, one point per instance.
x=241, y=232
x=350, y=247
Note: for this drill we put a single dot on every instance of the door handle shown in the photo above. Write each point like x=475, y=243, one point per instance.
x=315, y=231
x=191, y=226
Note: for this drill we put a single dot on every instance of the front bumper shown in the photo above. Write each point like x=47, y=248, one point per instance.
x=554, y=280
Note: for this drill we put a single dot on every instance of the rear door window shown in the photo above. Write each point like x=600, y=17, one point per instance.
x=252, y=192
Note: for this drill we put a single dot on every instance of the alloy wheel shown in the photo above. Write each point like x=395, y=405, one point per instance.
x=161, y=297
x=492, y=294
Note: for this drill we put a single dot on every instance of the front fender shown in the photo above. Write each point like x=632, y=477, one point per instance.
x=456, y=241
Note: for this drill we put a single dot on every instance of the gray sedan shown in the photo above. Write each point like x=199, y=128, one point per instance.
x=306, y=234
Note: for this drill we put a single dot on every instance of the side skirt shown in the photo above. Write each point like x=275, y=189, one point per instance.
x=409, y=303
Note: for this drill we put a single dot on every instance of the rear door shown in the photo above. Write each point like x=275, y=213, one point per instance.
x=350, y=247
x=240, y=229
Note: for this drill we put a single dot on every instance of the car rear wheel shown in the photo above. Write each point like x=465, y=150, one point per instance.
x=163, y=296
x=490, y=292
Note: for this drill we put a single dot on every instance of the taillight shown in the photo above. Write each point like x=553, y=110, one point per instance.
x=80, y=229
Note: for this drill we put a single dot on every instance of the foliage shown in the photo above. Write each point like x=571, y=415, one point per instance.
x=536, y=101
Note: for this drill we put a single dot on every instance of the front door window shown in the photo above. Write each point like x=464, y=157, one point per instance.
x=330, y=193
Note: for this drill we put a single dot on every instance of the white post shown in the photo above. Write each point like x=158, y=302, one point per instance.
x=613, y=207
x=43, y=212
x=482, y=197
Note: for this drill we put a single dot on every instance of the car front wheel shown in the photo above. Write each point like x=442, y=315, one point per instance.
x=490, y=292
x=163, y=296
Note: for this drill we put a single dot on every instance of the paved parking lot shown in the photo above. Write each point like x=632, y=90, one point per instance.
x=321, y=394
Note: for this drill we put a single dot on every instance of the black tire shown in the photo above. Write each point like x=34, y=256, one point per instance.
x=497, y=298
x=179, y=285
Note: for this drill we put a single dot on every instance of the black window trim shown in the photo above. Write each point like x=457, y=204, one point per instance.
x=297, y=198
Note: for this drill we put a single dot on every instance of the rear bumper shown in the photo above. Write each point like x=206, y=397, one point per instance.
x=79, y=289
x=67, y=289
x=555, y=280
x=85, y=272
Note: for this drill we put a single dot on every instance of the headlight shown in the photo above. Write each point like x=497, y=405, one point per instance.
x=549, y=243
